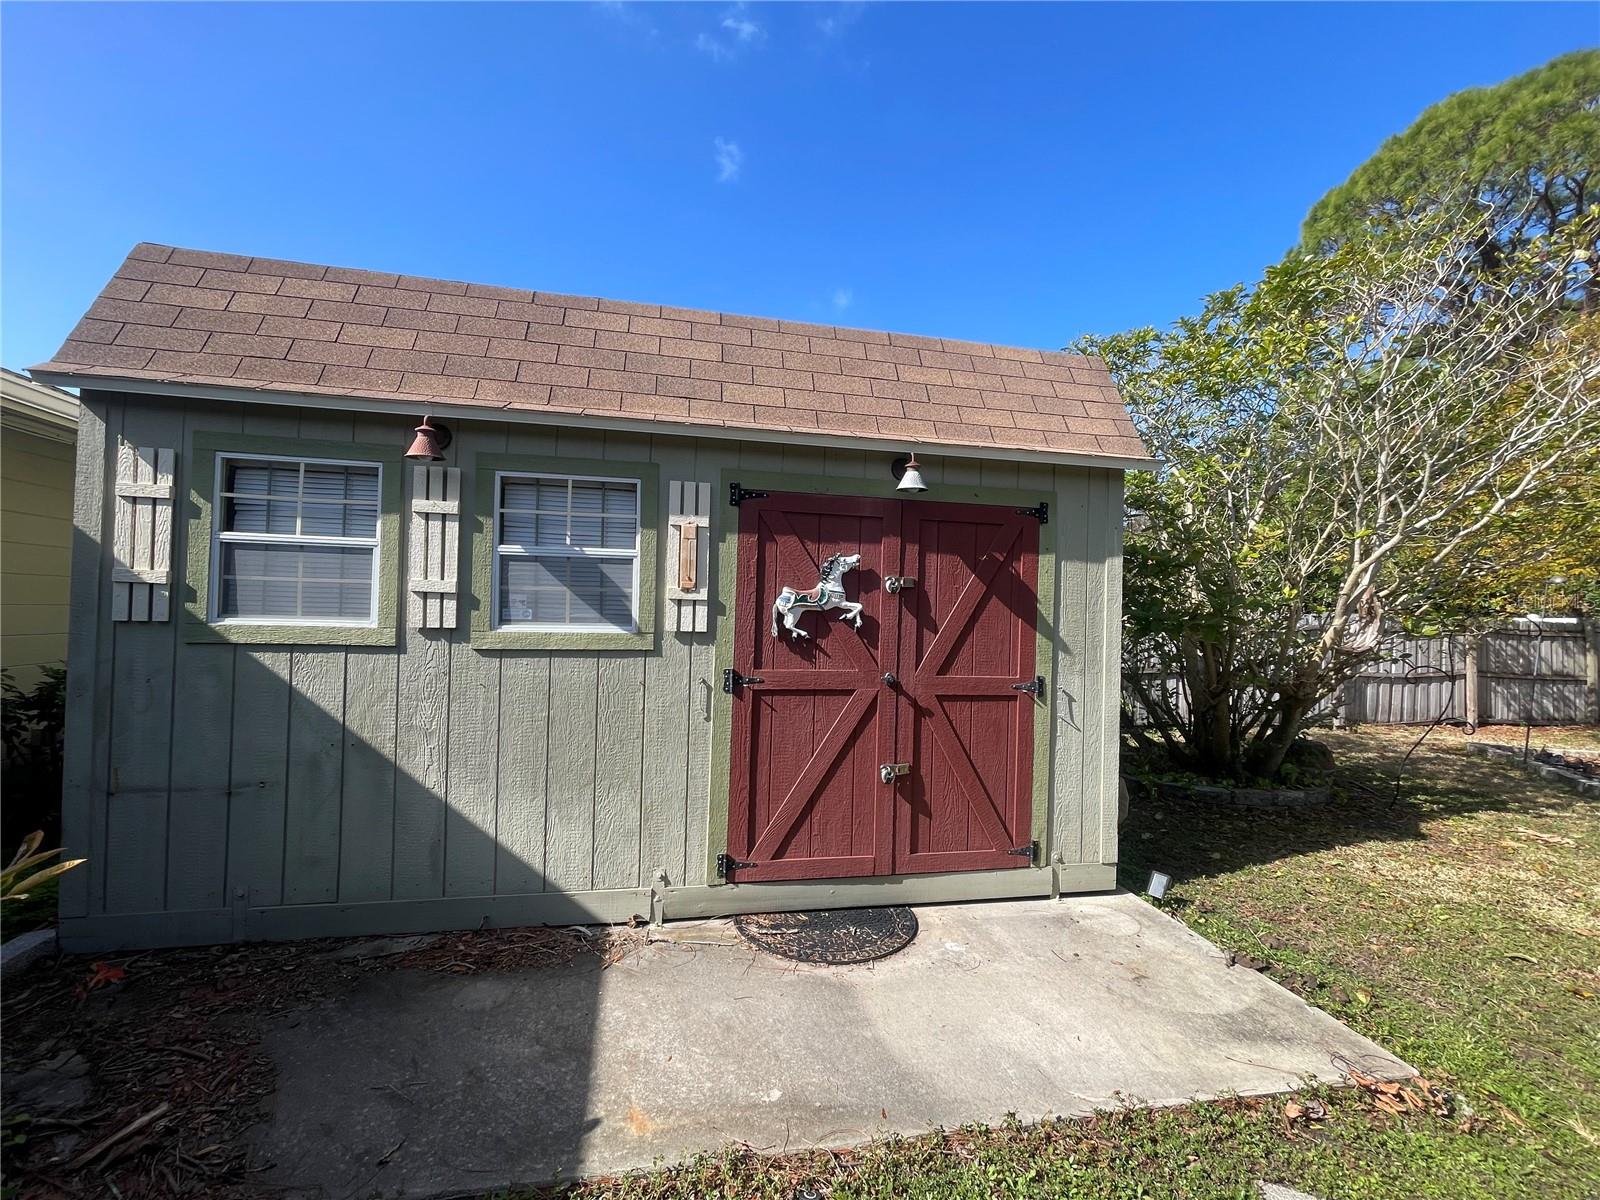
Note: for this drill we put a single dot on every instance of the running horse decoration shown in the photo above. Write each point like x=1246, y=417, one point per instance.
x=829, y=593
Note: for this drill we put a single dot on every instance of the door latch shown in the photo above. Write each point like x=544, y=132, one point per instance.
x=732, y=680
x=888, y=771
x=898, y=583
x=1034, y=686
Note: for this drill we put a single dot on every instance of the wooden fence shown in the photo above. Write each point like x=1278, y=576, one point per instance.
x=1543, y=670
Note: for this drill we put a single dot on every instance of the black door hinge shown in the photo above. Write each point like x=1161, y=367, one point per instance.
x=727, y=865
x=738, y=495
x=1029, y=852
x=731, y=680
x=1040, y=512
x=1034, y=686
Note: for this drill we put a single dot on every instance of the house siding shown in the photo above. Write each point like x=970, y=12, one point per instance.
x=35, y=543
x=226, y=791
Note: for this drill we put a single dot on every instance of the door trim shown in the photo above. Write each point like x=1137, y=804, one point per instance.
x=728, y=581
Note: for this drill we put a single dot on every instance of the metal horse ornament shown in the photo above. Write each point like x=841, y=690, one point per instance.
x=829, y=593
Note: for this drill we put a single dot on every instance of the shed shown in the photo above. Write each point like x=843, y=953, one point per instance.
x=317, y=688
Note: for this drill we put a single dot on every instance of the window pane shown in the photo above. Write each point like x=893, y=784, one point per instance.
x=340, y=520
x=266, y=580
x=566, y=590
x=518, y=528
x=588, y=497
x=278, y=479
x=326, y=481
x=621, y=533
x=621, y=498
x=585, y=531
x=520, y=494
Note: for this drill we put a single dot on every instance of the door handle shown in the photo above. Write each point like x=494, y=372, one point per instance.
x=890, y=678
x=888, y=771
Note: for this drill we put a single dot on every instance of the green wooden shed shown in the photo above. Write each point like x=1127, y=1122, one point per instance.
x=401, y=604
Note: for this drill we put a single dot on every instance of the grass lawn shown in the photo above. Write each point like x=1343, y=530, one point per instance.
x=1458, y=925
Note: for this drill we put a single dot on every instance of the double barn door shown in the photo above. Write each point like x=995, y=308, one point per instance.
x=904, y=746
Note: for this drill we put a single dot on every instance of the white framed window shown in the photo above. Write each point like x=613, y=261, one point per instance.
x=566, y=554
x=295, y=541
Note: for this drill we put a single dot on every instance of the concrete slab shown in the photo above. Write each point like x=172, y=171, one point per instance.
x=419, y=1084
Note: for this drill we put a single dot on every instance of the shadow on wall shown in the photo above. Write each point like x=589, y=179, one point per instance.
x=304, y=781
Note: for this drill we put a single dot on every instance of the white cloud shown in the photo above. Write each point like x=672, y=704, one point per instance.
x=707, y=44
x=730, y=159
x=843, y=298
x=840, y=17
x=743, y=30
x=741, y=27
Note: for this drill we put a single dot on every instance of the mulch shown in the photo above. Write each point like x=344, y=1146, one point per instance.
x=171, y=1043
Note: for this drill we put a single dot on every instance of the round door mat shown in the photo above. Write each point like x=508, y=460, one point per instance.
x=835, y=937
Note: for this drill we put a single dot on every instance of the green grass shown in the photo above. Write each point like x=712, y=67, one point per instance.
x=1459, y=926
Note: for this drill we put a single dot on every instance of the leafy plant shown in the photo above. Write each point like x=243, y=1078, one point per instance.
x=26, y=871
x=1334, y=440
x=32, y=724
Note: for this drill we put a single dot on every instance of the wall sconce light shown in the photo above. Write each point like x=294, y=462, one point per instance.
x=430, y=442
x=909, y=472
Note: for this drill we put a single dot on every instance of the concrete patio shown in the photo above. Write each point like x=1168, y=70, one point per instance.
x=418, y=1084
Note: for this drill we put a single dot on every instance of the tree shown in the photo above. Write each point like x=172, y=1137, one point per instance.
x=1526, y=150
x=1381, y=404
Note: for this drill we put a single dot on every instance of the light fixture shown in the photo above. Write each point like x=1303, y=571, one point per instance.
x=430, y=442
x=909, y=472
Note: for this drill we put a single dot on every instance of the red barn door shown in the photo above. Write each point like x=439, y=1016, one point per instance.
x=968, y=640
x=928, y=681
x=805, y=801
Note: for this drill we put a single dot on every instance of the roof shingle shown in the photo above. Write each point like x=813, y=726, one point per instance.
x=195, y=317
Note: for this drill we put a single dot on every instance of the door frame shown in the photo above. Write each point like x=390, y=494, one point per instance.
x=728, y=579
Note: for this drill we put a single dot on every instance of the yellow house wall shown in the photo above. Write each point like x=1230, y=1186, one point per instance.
x=35, y=549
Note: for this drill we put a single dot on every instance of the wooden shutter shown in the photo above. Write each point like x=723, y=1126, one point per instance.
x=141, y=570
x=688, y=556
x=435, y=545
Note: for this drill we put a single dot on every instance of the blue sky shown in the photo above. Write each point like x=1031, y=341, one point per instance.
x=1017, y=174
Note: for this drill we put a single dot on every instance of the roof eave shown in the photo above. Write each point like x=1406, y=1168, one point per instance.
x=597, y=420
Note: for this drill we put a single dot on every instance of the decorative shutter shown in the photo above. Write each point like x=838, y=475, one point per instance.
x=435, y=545
x=688, y=556
x=141, y=570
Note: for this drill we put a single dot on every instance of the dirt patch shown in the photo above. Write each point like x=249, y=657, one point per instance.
x=137, y=1076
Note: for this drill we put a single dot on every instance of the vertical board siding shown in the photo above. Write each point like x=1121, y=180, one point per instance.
x=141, y=731
x=1072, y=679
x=202, y=713
x=366, y=812
x=569, y=823
x=669, y=694
x=316, y=770
x=320, y=775
x=521, y=782
x=89, y=658
x=469, y=832
x=258, y=776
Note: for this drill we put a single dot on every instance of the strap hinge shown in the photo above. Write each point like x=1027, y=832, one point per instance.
x=1029, y=852
x=727, y=865
x=732, y=680
x=1034, y=686
x=1039, y=512
x=738, y=495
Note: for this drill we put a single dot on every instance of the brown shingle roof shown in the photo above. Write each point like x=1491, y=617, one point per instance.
x=195, y=317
